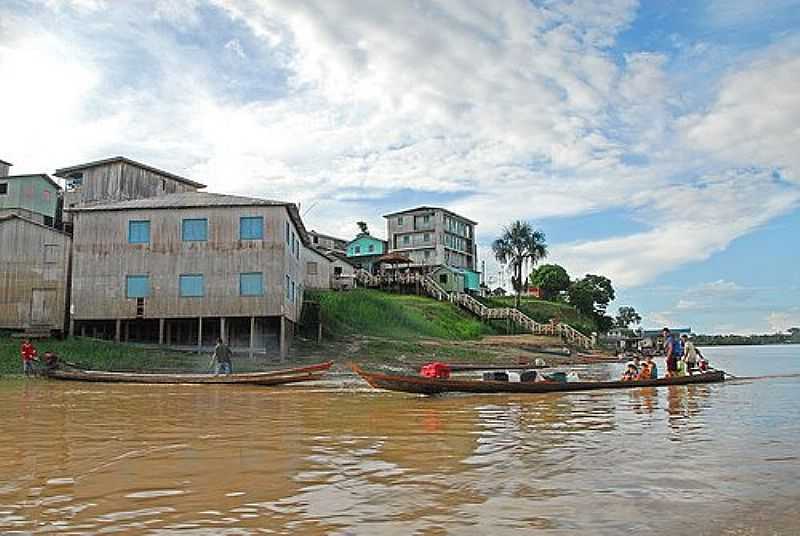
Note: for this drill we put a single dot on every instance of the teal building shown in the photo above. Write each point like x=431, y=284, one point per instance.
x=365, y=250
x=34, y=197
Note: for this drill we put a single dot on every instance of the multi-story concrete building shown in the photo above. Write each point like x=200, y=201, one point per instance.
x=432, y=236
x=185, y=268
x=327, y=242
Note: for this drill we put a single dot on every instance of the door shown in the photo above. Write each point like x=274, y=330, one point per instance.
x=43, y=306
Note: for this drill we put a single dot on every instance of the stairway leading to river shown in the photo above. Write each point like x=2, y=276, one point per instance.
x=424, y=283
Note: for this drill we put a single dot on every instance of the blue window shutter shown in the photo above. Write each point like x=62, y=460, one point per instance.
x=137, y=286
x=251, y=284
x=195, y=230
x=192, y=285
x=251, y=228
x=139, y=232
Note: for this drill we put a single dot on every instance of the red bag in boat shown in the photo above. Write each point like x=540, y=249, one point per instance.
x=435, y=370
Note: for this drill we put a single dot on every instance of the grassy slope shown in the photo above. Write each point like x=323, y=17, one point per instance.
x=543, y=311
x=398, y=316
x=102, y=355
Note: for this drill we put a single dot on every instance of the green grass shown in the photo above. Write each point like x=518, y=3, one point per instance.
x=100, y=355
x=543, y=311
x=398, y=316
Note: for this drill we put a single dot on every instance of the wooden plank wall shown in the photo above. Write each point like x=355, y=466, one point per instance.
x=23, y=267
x=102, y=258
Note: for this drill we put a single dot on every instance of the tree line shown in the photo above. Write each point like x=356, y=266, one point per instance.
x=521, y=247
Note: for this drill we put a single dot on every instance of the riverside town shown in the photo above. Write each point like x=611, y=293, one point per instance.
x=405, y=268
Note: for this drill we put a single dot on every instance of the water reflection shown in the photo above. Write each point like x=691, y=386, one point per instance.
x=86, y=459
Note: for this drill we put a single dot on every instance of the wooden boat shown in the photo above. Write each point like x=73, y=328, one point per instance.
x=434, y=386
x=275, y=377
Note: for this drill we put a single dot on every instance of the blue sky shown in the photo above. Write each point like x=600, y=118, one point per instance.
x=653, y=142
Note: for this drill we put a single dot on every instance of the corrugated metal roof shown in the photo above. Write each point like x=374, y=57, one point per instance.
x=417, y=209
x=62, y=172
x=10, y=217
x=182, y=200
x=198, y=200
x=6, y=163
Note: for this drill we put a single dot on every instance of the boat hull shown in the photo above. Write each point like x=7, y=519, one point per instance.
x=434, y=386
x=276, y=377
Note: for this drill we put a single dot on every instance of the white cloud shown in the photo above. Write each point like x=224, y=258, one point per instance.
x=781, y=321
x=516, y=110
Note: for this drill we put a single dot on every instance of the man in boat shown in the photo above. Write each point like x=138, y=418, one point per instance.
x=671, y=353
x=690, y=354
x=28, y=353
x=222, y=357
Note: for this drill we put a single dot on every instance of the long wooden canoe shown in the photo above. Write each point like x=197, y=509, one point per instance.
x=434, y=386
x=275, y=377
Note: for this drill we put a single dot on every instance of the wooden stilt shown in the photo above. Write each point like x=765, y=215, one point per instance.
x=117, y=329
x=160, y=331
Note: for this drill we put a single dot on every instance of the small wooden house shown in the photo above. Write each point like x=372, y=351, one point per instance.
x=34, y=197
x=34, y=268
x=118, y=179
x=319, y=269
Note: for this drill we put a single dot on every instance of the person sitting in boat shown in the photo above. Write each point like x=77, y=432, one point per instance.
x=649, y=371
x=631, y=373
x=671, y=353
x=691, y=355
x=222, y=357
x=51, y=360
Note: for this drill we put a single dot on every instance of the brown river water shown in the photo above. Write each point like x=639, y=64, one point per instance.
x=340, y=458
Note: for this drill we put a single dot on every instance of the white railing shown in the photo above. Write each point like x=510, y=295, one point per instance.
x=427, y=284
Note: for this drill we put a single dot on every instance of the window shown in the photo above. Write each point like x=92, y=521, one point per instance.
x=251, y=228
x=443, y=279
x=163, y=185
x=426, y=237
x=426, y=219
x=251, y=284
x=311, y=268
x=288, y=288
x=3, y=188
x=400, y=221
x=406, y=240
x=138, y=232
x=192, y=285
x=371, y=248
x=51, y=253
x=195, y=230
x=74, y=181
x=288, y=234
x=137, y=286
x=337, y=271
x=46, y=196
x=357, y=249
x=316, y=239
x=427, y=254
x=294, y=293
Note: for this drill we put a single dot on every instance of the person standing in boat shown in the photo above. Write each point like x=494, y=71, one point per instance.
x=690, y=354
x=222, y=358
x=28, y=353
x=671, y=353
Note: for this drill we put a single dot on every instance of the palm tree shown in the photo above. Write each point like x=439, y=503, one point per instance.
x=519, y=246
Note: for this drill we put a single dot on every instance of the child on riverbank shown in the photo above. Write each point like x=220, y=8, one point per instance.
x=28, y=353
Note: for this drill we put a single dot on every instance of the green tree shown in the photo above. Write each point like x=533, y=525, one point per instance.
x=591, y=295
x=519, y=246
x=626, y=316
x=551, y=279
x=795, y=334
x=362, y=227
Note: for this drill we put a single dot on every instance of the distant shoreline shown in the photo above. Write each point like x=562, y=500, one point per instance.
x=754, y=343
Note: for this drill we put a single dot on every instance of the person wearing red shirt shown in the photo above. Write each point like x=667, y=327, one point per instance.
x=28, y=352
